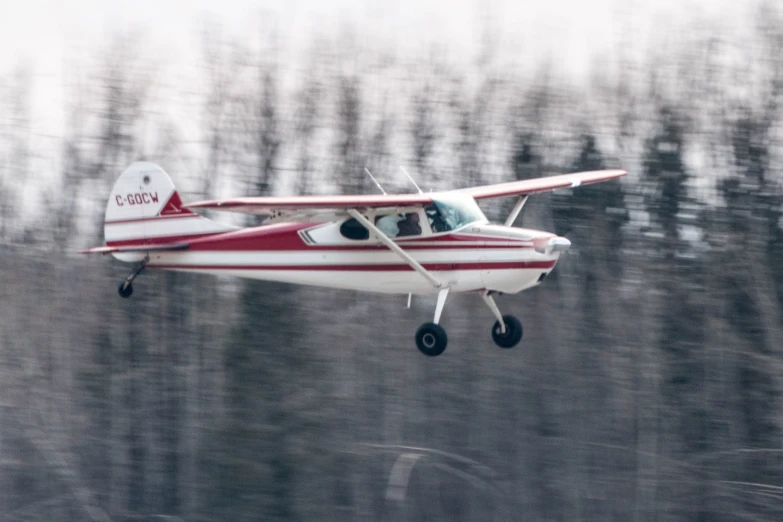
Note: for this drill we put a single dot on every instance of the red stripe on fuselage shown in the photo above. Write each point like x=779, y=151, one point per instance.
x=434, y=267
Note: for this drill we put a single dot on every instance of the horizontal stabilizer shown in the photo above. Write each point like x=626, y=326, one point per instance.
x=134, y=248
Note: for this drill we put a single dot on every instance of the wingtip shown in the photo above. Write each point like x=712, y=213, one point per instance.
x=613, y=173
x=95, y=250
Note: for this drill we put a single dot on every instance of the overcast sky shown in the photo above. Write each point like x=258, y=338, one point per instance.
x=49, y=36
x=43, y=30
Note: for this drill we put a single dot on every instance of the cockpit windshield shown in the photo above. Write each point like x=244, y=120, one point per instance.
x=453, y=211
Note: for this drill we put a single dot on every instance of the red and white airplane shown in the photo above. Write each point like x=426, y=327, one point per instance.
x=422, y=243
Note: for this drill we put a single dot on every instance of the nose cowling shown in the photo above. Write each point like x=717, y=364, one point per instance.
x=553, y=245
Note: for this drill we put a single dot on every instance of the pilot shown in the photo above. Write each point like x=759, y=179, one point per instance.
x=409, y=226
x=436, y=221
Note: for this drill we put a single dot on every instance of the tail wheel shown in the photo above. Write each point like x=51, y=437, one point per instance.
x=125, y=290
x=513, y=333
x=431, y=339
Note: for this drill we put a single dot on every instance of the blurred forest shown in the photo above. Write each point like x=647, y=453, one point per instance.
x=649, y=382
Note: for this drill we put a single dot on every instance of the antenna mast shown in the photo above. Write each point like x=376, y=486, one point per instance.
x=374, y=180
x=410, y=178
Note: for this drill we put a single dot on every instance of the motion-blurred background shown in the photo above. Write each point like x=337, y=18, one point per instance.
x=647, y=387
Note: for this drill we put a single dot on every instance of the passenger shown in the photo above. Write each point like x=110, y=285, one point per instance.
x=409, y=226
x=388, y=224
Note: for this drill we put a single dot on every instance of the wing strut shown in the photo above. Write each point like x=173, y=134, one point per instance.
x=394, y=247
x=515, y=211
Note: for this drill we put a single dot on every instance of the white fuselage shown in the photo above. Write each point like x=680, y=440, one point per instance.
x=482, y=257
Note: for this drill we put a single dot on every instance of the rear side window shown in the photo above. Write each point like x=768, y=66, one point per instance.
x=352, y=229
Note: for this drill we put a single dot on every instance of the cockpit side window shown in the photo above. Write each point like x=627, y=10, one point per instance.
x=399, y=225
x=352, y=229
x=392, y=225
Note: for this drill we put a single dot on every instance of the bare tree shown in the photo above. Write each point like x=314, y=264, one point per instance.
x=265, y=131
x=223, y=63
x=15, y=150
x=306, y=117
x=349, y=166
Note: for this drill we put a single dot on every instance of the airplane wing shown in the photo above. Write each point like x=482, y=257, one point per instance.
x=546, y=184
x=270, y=205
x=135, y=248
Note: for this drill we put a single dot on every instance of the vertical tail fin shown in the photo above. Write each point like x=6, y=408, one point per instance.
x=144, y=208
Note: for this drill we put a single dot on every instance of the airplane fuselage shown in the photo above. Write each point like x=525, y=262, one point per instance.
x=474, y=258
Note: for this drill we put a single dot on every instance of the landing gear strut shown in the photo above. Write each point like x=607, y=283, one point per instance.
x=431, y=338
x=126, y=286
x=507, y=330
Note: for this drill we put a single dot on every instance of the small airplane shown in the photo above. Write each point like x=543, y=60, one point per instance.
x=419, y=243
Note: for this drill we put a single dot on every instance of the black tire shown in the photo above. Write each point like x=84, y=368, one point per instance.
x=513, y=332
x=431, y=339
x=124, y=291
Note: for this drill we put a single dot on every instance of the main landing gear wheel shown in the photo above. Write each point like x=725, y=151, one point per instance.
x=513, y=333
x=126, y=286
x=125, y=290
x=431, y=339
